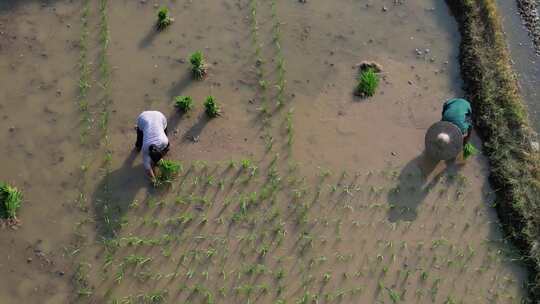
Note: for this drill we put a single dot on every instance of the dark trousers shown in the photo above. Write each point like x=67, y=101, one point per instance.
x=139, y=142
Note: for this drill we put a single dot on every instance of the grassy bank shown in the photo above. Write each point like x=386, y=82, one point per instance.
x=501, y=119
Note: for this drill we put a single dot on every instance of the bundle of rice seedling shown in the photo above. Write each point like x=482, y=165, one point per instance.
x=469, y=150
x=10, y=201
x=168, y=170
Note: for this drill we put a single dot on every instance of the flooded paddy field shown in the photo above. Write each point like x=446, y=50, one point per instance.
x=300, y=192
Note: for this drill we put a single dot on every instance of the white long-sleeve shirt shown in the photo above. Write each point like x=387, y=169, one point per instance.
x=153, y=125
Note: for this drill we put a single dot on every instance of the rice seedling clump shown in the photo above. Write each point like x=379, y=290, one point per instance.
x=10, y=201
x=211, y=107
x=183, y=103
x=367, y=83
x=164, y=20
x=168, y=171
x=198, y=65
x=469, y=150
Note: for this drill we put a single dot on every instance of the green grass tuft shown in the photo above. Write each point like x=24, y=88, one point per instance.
x=367, y=83
x=198, y=65
x=211, y=107
x=10, y=201
x=183, y=103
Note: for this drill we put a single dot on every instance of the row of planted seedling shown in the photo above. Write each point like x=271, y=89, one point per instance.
x=190, y=273
x=81, y=276
x=380, y=264
x=80, y=279
x=263, y=82
x=185, y=220
x=261, y=76
x=244, y=200
x=281, y=69
x=195, y=255
x=276, y=34
x=81, y=282
x=104, y=70
x=296, y=193
x=345, y=189
x=307, y=240
x=260, y=270
x=104, y=79
x=84, y=78
x=170, y=169
x=199, y=254
x=82, y=100
x=460, y=261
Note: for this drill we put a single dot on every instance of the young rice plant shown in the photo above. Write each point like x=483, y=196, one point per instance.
x=10, y=201
x=469, y=150
x=164, y=20
x=198, y=65
x=367, y=83
x=168, y=170
x=211, y=107
x=183, y=103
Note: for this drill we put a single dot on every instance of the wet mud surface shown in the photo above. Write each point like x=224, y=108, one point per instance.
x=300, y=192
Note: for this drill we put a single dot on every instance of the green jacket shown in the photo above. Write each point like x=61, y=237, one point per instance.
x=458, y=111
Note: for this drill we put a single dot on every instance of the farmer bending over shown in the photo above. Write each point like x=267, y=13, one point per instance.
x=458, y=112
x=152, y=139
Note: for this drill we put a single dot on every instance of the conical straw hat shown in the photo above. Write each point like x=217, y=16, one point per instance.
x=436, y=148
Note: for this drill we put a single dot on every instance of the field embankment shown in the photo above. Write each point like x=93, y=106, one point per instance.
x=502, y=121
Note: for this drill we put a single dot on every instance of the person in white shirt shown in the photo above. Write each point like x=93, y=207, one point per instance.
x=152, y=139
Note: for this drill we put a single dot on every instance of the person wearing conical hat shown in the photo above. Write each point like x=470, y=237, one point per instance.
x=458, y=111
x=446, y=138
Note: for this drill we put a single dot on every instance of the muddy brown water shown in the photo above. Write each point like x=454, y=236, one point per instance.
x=347, y=212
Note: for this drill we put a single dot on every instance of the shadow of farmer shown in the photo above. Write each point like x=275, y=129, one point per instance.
x=115, y=193
x=414, y=184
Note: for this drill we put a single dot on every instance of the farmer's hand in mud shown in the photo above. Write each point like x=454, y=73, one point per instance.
x=151, y=175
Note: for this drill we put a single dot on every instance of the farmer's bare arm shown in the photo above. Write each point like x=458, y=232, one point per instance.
x=150, y=173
